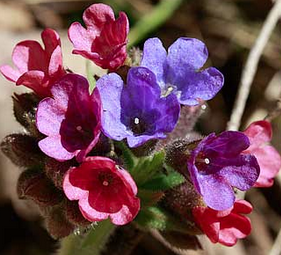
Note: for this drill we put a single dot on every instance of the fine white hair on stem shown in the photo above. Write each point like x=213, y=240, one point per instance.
x=250, y=68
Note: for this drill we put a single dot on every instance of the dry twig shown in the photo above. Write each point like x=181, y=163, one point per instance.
x=251, y=66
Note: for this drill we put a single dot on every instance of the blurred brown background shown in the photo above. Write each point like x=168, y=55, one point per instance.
x=228, y=27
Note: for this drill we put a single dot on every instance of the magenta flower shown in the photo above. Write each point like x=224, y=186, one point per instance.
x=104, y=39
x=103, y=190
x=217, y=164
x=37, y=68
x=260, y=134
x=136, y=110
x=70, y=120
x=224, y=227
x=180, y=70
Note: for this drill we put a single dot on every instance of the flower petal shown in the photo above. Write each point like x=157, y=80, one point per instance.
x=186, y=54
x=35, y=80
x=49, y=116
x=228, y=144
x=51, y=40
x=241, y=172
x=73, y=192
x=270, y=164
x=154, y=57
x=10, y=73
x=110, y=87
x=52, y=147
x=55, y=65
x=216, y=192
x=29, y=55
x=97, y=15
x=89, y=212
x=80, y=37
x=194, y=86
x=126, y=214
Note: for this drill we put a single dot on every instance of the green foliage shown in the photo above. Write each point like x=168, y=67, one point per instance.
x=147, y=167
x=163, y=182
x=157, y=218
x=91, y=244
x=149, y=198
x=90, y=76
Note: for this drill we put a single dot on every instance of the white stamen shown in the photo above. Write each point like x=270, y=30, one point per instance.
x=105, y=183
x=78, y=128
x=203, y=107
x=136, y=121
x=170, y=89
x=207, y=161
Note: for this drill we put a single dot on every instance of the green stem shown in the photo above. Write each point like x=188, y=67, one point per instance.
x=92, y=244
x=152, y=20
x=90, y=76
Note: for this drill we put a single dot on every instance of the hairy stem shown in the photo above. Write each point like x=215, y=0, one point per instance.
x=92, y=244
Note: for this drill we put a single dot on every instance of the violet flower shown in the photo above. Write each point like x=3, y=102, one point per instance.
x=136, y=111
x=216, y=165
x=71, y=119
x=179, y=71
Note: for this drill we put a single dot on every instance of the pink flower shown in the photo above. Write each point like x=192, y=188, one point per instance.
x=71, y=120
x=227, y=226
x=103, y=190
x=37, y=68
x=104, y=40
x=260, y=134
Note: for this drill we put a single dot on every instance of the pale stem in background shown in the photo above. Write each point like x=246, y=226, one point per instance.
x=250, y=68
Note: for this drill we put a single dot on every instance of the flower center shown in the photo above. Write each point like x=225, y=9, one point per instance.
x=138, y=126
x=169, y=89
x=105, y=179
x=105, y=183
x=202, y=162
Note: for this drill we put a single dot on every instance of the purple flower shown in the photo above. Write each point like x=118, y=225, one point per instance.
x=136, y=111
x=179, y=71
x=71, y=119
x=216, y=165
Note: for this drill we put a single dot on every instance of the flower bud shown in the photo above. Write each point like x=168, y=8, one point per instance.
x=25, y=106
x=22, y=150
x=74, y=215
x=55, y=170
x=178, y=152
x=33, y=184
x=145, y=149
x=56, y=223
x=181, y=200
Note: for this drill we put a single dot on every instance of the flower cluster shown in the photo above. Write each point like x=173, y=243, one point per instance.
x=95, y=151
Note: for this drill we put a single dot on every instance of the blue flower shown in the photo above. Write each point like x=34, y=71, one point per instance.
x=136, y=110
x=179, y=72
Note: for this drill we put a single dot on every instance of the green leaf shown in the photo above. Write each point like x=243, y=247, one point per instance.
x=149, y=198
x=147, y=167
x=150, y=21
x=129, y=158
x=158, y=218
x=92, y=244
x=90, y=76
x=164, y=182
